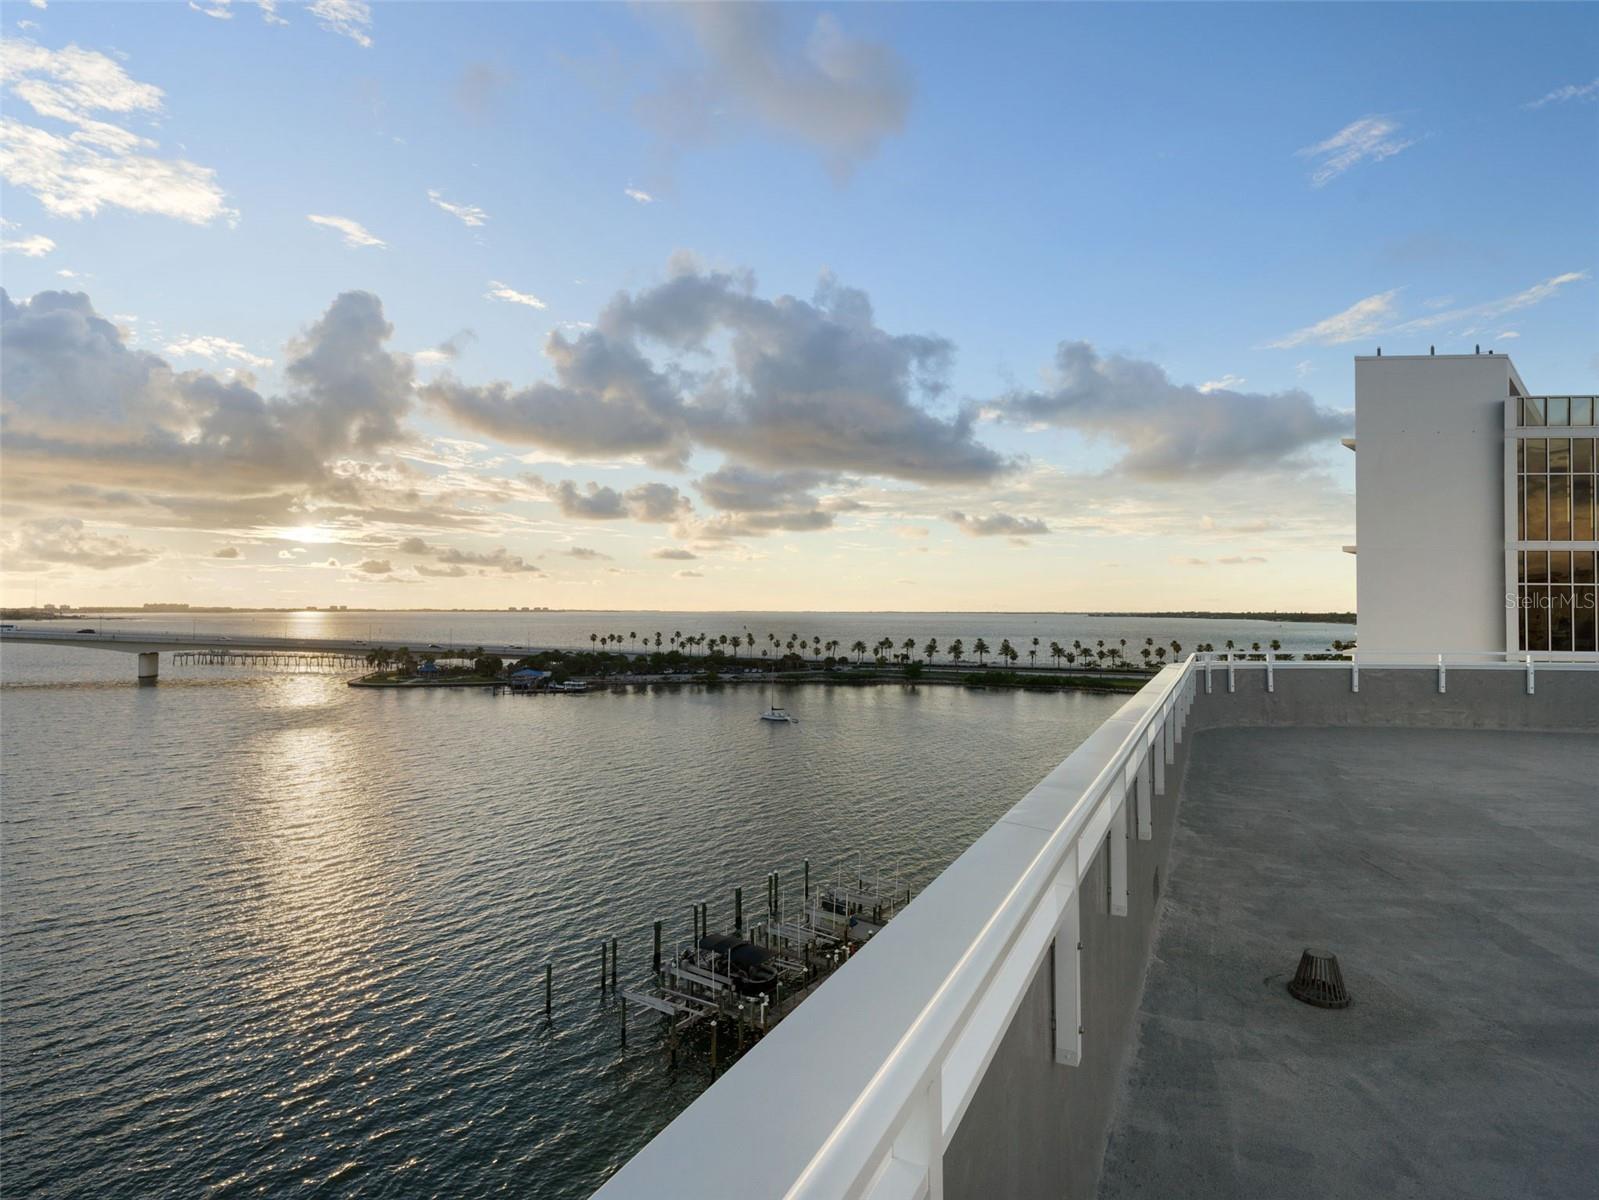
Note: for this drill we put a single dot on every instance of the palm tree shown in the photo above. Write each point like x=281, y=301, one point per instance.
x=909, y=646
x=1055, y=652
x=1032, y=655
x=1160, y=653
x=1146, y=652
x=980, y=648
x=594, y=641
x=657, y=639
x=1276, y=645
x=930, y=649
x=1004, y=648
x=957, y=651
x=1229, y=645
x=1255, y=646
x=858, y=649
x=1071, y=658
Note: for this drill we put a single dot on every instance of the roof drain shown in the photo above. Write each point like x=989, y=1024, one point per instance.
x=1318, y=980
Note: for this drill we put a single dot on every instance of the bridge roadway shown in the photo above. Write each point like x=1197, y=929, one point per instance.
x=148, y=644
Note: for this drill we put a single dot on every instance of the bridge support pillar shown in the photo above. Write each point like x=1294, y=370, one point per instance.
x=149, y=667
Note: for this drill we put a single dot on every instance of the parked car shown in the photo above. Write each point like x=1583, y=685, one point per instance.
x=88, y=631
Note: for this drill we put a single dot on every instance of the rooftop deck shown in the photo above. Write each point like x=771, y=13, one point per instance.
x=1453, y=874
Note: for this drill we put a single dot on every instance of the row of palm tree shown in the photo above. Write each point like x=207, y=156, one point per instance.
x=1100, y=655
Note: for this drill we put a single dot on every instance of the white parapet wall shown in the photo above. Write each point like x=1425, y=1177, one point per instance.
x=862, y=1091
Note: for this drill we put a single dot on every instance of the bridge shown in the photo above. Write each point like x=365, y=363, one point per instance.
x=148, y=645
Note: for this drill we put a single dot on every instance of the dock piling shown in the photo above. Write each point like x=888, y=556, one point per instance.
x=738, y=910
x=549, y=990
x=657, y=963
x=613, y=965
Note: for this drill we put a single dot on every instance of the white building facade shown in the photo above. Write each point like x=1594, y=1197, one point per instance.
x=1477, y=511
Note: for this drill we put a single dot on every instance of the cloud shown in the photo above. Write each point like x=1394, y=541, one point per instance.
x=656, y=503
x=1370, y=139
x=213, y=348
x=636, y=194
x=499, y=559
x=97, y=163
x=687, y=574
x=33, y=246
x=355, y=234
x=468, y=214
x=996, y=525
x=1379, y=314
x=1362, y=319
x=38, y=545
x=743, y=489
x=673, y=554
x=1571, y=91
x=480, y=87
x=219, y=9
x=1227, y=383
x=455, y=572
x=1238, y=560
x=1491, y=309
x=372, y=566
x=348, y=18
x=81, y=405
x=809, y=385
x=446, y=351
x=587, y=554
x=500, y=291
x=1170, y=430
x=840, y=94
x=226, y=552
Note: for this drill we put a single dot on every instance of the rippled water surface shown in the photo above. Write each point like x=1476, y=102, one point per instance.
x=266, y=934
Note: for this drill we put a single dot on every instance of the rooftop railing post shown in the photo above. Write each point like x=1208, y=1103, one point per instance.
x=1532, y=685
x=1142, y=784
x=1208, y=659
x=1118, y=862
x=1231, y=682
x=1442, y=684
x=1271, y=683
x=1354, y=675
x=1068, y=981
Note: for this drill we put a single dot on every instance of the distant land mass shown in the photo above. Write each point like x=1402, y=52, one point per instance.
x=1313, y=618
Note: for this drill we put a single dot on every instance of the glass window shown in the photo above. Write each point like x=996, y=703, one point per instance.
x=1582, y=410
x=1532, y=411
x=1537, y=509
x=1537, y=619
x=1586, y=616
x=1559, y=508
x=1582, y=455
x=1537, y=566
x=1582, y=508
x=1537, y=455
x=1583, y=566
x=1560, y=566
x=1560, y=455
x=1558, y=410
x=1562, y=622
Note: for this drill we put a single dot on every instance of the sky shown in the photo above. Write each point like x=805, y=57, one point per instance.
x=915, y=307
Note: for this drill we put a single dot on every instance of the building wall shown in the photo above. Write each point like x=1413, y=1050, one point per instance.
x=1430, y=502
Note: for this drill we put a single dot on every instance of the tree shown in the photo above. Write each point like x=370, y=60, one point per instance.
x=487, y=665
x=957, y=651
x=980, y=648
x=1056, y=652
x=1160, y=653
x=1032, y=655
x=931, y=648
x=858, y=649
x=1004, y=648
x=1276, y=645
x=594, y=641
x=909, y=646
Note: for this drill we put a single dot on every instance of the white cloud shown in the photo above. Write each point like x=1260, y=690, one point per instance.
x=501, y=291
x=1490, y=309
x=98, y=163
x=349, y=18
x=1571, y=91
x=354, y=233
x=34, y=246
x=997, y=524
x=1370, y=139
x=642, y=197
x=213, y=348
x=1228, y=382
x=467, y=214
x=38, y=545
x=1361, y=319
x=1507, y=335
x=219, y=9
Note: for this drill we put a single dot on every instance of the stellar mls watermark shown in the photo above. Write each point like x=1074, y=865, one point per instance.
x=1578, y=600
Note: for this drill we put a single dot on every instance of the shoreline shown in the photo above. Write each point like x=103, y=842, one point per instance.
x=1121, y=684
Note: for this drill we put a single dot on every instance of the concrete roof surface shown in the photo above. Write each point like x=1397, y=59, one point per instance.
x=1453, y=874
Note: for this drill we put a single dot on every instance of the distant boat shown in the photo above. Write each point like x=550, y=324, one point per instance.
x=774, y=713
x=752, y=968
x=571, y=685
